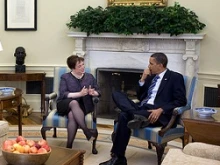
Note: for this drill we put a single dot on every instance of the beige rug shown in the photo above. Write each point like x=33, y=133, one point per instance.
x=137, y=152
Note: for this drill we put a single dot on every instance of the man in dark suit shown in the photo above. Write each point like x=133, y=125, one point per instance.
x=160, y=91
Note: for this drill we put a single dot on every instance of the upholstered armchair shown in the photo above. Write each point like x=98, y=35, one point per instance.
x=159, y=136
x=51, y=118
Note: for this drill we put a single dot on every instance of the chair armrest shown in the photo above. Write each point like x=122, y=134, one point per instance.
x=95, y=102
x=170, y=124
x=50, y=102
x=180, y=110
x=176, y=112
x=51, y=96
x=95, y=99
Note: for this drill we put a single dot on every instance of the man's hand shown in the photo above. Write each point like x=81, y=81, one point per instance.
x=145, y=74
x=155, y=114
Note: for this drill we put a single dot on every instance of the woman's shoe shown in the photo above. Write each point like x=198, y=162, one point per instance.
x=91, y=134
x=94, y=133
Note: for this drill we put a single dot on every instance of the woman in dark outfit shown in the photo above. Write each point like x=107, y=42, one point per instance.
x=75, y=98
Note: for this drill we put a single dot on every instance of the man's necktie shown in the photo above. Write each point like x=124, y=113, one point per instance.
x=150, y=90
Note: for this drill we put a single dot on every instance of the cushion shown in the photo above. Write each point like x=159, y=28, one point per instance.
x=55, y=120
x=177, y=157
x=203, y=150
x=4, y=128
x=151, y=134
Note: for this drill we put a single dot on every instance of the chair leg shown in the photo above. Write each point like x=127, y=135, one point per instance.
x=186, y=138
x=94, y=150
x=149, y=145
x=113, y=136
x=184, y=141
x=43, y=131
x=160, y=151
x=54, y=132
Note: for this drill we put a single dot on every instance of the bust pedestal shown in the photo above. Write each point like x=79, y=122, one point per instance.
x=20, y=68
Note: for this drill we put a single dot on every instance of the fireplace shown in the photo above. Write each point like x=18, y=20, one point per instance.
x=115, y=79
x=110, y=55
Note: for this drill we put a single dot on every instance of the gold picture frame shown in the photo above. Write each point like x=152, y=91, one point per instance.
x=159, y=3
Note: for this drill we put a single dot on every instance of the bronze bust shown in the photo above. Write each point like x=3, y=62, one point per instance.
x=20, y=55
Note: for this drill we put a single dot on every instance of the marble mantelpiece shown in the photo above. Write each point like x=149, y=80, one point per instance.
x=133, y=51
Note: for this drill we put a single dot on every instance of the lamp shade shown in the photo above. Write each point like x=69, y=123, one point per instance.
x=1, y=48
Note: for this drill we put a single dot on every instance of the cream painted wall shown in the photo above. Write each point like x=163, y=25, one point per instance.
x=208, y=13
x=50, y=46
x=209, y=68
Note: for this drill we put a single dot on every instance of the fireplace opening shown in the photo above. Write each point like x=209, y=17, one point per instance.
x=114, y=79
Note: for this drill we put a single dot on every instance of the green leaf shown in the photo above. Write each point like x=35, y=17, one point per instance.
x=127, y=20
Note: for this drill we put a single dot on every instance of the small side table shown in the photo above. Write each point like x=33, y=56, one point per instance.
x=205, y=130
x=27, y=77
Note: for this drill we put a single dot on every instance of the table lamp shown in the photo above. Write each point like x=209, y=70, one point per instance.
x=1, y=48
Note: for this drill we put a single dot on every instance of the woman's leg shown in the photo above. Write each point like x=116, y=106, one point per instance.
x=79, y=118
x=72, y=127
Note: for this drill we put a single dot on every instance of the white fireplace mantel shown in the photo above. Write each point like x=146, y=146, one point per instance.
x=186, y=45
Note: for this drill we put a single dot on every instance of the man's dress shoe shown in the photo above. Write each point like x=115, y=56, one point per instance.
x=115, y=161
x=139, y=121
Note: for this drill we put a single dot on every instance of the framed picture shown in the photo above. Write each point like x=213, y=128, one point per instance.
x=159, y=3
x=20, y=15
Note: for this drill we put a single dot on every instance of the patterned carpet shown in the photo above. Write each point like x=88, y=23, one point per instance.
x=104, y=135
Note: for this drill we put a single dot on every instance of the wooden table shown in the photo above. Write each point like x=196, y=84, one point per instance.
x=60, y=156
x=11, y=101
x=27, y=77
x=205, y=130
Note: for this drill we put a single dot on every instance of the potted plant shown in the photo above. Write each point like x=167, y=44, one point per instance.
x=128, y=20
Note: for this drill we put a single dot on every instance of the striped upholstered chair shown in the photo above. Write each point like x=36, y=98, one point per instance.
x=52, y=120
x=160, y=137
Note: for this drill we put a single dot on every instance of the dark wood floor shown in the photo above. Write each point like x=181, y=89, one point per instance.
x=34, y=118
